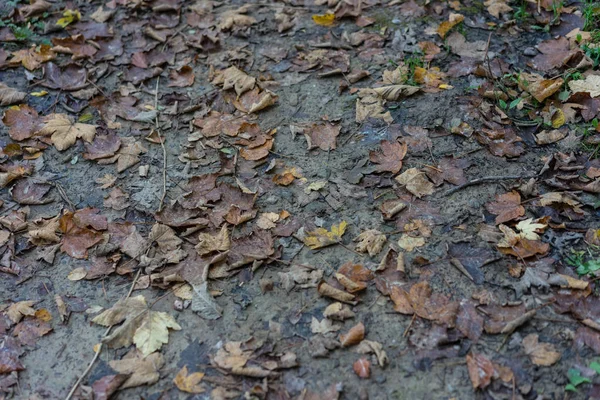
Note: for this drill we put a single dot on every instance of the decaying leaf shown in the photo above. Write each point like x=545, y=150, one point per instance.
x=543, y=354
x=321, y=237
x=354, y=336
x=416, y=182
x=362, y=368
x=591, y=85
x=506, y=207
x=370, y=241
x=322, y=135
x=141, y=369
x=9, y=95
x=390, y=158
x=17, y=311
x=145, y=328
x=208, y=243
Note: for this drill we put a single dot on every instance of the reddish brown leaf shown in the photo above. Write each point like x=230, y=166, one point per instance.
x=480, y=370
x=77, y=239
x=22, y=121
x=322, y=135
x=389, y=159
x=354, y=336
x=362, y=368
x=506, y=207
x=182, y=77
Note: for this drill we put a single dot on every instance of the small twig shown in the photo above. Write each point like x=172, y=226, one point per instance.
x=162, y=145
x=485, y=179
x=409, y=325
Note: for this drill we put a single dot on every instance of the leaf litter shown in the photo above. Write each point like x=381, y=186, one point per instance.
x=299, y=200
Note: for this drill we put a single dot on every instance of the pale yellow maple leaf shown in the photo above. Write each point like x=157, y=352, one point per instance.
x=142, y=370
x=147, y=329
x=529, y=229
x=321, y=237
x=64, y=132
x=189, y=383
x=17, y=311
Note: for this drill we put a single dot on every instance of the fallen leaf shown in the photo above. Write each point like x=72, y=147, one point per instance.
x=324, y=19
x=591, y=85
x=446, y=26
x=362, y=368
x=390, y=158
x=208, y=243
x=529, y=229
x=146, y=328
x=9, y=95
x=506, y=207
x=22, y=121
x=189, y=383
x=322, y=135
x=321, y=237
x=182, y=77
x=142, y=370
x=354, y=336
x=64, y=132
x=234, y=78
x=543, y=354
x=481, y=370
x=415, y=182
x=17, y=311
x=395, y=92
x=370, y=241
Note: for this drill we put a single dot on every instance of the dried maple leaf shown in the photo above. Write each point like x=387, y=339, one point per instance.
x=370, y=105
x=77, y=239
x=512, y=243
x=321, y=237
x=539, y=87
x=390, y=158
x=506, y=207
x=395, y=92
x=64, y=132
x=17, y=311
x=370, y=241
x=75, y=45
x=543, y=354
x=9, y=95
x=141, y=369
x=189, y=383
x=529, y=229
x=415, y=182
x=145, y=328
x=255, y=100
x=555, y=54
x=43, y=232
x=322, y=135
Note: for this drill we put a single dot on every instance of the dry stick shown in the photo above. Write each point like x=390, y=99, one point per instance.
x=162, y=145
x=485, y=179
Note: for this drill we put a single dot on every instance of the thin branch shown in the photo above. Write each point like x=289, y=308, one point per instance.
x=486, y=179
x=162, y=145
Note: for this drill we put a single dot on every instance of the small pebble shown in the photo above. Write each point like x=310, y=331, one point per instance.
x=530, y=51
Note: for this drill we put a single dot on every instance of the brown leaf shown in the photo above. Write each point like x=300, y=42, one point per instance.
x=354, y=336
x=370, y=241
x=30, y=330
x=362, y=368
x=106, y=386
x=322, y=135
x=555, y=54
x=9, y=355
x=141, y=370
x=506, y=207
x=481, y=370
x=390, y=158
x=11, y=172
x=22, y=121
x=30, y=192
x=76, y=239
x=70, y=78
x=327, y=290
x=502, y=142
x=36, y=7
x=415, y=182
x=102, y=146
x=116, y=199
x=543, y=354
x=74, y=45
x=9, y=95
x=208, y=243
x=182, y=77
x=255, y=100
x=216, y=123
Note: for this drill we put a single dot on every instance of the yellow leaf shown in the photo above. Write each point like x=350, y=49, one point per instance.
x=529, y=229
x=446, y=26
x=43, y=315
x=321, y=237
x=85, y=117
x=324, y=20
x=97, y=347
x=558, y=119
x=188, y=383
x=69, y=16
x=64, y=132
x=38, y=94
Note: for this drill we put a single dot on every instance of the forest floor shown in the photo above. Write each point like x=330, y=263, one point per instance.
x=341, y=199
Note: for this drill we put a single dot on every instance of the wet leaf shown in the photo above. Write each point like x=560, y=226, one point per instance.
x=390, y=158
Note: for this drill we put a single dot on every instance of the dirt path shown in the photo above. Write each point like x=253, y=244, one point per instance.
x=299, y=200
